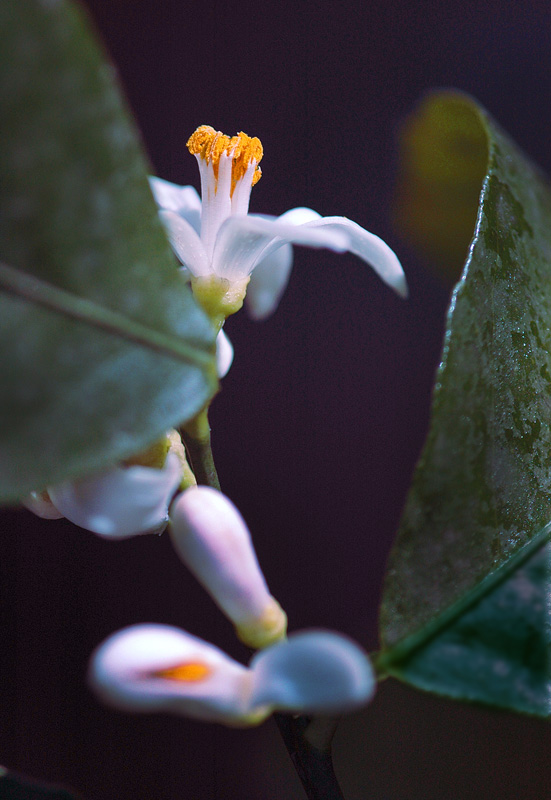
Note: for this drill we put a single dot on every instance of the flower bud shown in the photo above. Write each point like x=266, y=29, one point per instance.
x=213, y=541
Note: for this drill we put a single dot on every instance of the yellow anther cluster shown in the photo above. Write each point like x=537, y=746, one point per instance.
x=210, y=144
x=192, y=672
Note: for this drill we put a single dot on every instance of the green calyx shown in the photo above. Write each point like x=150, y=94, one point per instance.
x=219, y=297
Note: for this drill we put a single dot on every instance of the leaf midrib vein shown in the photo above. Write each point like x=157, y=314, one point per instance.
x=386, y=659
x=35, y=290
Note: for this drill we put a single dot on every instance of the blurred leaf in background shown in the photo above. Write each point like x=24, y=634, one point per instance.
x=443, y=160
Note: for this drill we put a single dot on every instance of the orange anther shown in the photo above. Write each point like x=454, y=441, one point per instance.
x=209, y=145
x=191, y=672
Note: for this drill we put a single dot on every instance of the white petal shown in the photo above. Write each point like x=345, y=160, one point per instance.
x=299, y=216
x=369, y=248
x=122, y=502
x=224, y=354
x=213, y=541
x=313, y=672
x=243, y=241
x=268, y=282
x=122, y=671
x=270, y=276
x=184, y=200
x=186, y=243
x=41, y=505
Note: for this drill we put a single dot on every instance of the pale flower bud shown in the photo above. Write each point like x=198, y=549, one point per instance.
x=213, y=541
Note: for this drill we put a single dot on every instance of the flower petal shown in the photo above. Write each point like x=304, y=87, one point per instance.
x=161, y=668
x=313, y=672
x=270, y=276
x=41, y=504
x=184, y=200
x=243, y=241
x=224, y=354
x=369, y=248
x=213, y=541
x=186, y=243
x=300, y=215
x=122, y=502
x=269, y=280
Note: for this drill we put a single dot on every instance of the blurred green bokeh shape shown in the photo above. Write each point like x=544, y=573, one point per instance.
x=443, y=159
x=102, y=346
x=466, y=608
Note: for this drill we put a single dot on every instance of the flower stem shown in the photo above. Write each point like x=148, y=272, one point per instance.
x=308, y=742
x=196, y=436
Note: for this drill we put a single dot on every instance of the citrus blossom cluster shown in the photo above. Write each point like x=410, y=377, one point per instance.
x=228, y=254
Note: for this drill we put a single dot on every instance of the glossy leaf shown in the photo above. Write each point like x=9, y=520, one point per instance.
x=465, y=608
x=102, y=348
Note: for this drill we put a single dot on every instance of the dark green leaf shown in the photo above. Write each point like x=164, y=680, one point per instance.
x=494, y=650
x=465, y=608
x=103, y=347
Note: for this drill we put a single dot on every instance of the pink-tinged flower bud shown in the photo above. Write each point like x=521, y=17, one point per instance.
x=213, y=541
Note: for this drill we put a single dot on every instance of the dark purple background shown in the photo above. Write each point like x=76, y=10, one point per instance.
x=319, y=422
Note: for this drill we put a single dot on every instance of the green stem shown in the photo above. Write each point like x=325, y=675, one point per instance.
x=308, y=742
x=196, y=435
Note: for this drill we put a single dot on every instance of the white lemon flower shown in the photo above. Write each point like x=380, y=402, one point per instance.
x=123, y=501
x=220, y=244
x=162, y=668
x=212, y=539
